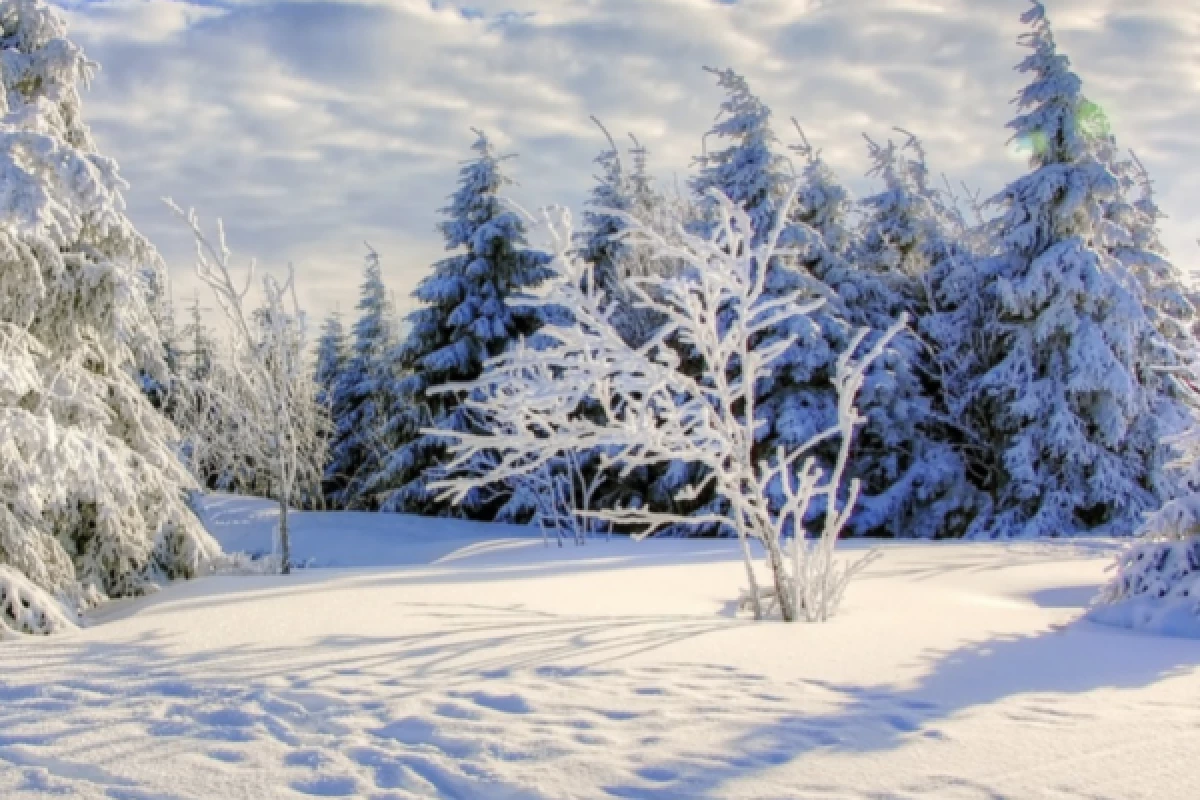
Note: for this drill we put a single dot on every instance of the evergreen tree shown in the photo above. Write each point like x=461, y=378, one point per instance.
x=333, y=356
x=746, y=165
x=1168, y=349
x=911, y=232
x=1061, y=397
x=599, y=240
x=333, y=359
x=91, y=492
x=466, y=316
x=363, y=397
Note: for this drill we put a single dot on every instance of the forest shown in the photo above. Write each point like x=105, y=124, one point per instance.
x=756, y=355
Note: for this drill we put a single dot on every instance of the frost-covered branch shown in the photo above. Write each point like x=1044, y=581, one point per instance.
x=643, y=409
x=266, y=381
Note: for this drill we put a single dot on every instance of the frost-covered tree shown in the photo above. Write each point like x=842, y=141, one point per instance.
x=744, y=162
x=466, y=316
x=333, y=355
x=1156, y=585
x=654, y=412
x=333, y=359
x=363, y=397
x=911, y=233
x=91, y=493
x=1060, y=394
x=266, y=385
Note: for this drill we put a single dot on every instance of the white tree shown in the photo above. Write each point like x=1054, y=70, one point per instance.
x=464, y=318
x=267, y=383
x=364, y=396
x=91, y=493
x=911, y=234
x=333, y=359
x=1060, y=392
x=1161, y=568
x=651, y=412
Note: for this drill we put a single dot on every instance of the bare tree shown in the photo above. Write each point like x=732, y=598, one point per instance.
x=644, y=410
x=266, y=381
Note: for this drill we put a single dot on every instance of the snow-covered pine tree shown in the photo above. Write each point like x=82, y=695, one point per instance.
x=333, y=359
x=912, y=481
x=911, y=233
x=1170, y=303
x=1061, y=395
x=599, y=241
x=465, y=317
x=364, y=397
x=1168, y=350
x=91, y=492
x=163, y=389
x=1157, y=582
x=743, y=163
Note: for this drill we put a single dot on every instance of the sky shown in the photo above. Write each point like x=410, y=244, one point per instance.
x=312, y=128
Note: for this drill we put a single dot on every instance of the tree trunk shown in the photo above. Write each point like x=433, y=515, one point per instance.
x=285, y=544
x=787, y=605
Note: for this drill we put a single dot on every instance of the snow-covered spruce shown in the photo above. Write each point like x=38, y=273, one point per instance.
x=364, y=397
x=653, y=412
x=1060, y=394
x=1168, y=348
x=1157, y=583
x=913, y=480
x=207, y=419
x=623, y=190
x=91, y=493
x=742, y=162
x=466, y=317
x=333, y=359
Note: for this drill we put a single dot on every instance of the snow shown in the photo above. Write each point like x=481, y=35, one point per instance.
x=471, y=661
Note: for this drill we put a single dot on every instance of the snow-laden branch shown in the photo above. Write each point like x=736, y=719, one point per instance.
x=265, y=381
x=644, y=409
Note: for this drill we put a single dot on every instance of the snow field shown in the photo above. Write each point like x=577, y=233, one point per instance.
x=494, y=667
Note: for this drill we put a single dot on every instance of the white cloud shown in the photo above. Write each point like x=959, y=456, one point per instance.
x=311, y=126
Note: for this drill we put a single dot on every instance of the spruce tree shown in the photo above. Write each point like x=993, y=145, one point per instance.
x=466, y=316
x=363, y=397
x=1061, y=395
x=333, y=359
x=910, y=233
x=91, y=492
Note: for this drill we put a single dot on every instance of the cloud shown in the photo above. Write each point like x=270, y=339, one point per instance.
x=313, y=126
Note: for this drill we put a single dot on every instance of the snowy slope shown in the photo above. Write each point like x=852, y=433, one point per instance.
x=480, y=664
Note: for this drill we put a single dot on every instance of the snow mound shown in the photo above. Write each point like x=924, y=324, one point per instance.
x=1156, y=589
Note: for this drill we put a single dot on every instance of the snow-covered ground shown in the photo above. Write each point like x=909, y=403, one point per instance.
x=479, y=664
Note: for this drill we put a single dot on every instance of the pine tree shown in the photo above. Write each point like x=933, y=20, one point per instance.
x=333, y=359
x=363, y=397
x=91, y=493
x=1060, y=395
x=466, y=316
x=599, y=241
x=748, y=168
x=911, y=233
